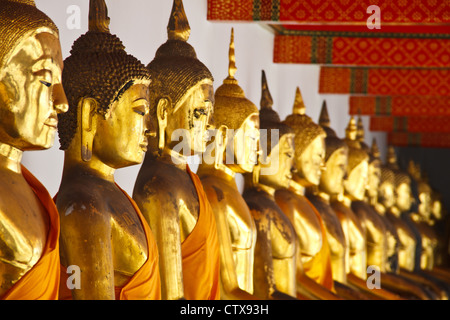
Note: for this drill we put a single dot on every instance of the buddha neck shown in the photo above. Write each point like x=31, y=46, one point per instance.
x=167, y=156
x=93, y=168
x=297, y=188
x=395, y=211
x=223, y=172
x=267, y=189
x=10, y=157
x=346, y=200
x=324, y=196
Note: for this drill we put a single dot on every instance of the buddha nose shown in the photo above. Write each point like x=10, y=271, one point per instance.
x=59, y=98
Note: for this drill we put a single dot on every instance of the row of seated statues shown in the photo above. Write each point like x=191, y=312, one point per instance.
x=310, y=229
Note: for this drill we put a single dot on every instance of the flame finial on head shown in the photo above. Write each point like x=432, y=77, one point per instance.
x=98, y=16
x=375, y=151
x=391, y=158
x=299, y=105
x=231, y=58
x=178, y=27
x=324, y=118
x=360, y=129
x=351, y=130
x=266, y=98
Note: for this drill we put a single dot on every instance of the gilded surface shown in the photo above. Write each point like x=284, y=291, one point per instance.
x=235, y=225
x=31, y=96
x=183, y=99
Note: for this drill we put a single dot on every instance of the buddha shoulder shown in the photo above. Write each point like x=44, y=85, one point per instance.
x=24, y=224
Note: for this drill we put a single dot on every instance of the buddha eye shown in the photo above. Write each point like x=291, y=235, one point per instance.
x=140, y=110
x=199, y=112
x=45, y=83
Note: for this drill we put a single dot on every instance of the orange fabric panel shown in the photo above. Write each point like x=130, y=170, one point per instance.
x=42, y=281
x=200, y=252
x=319, y=267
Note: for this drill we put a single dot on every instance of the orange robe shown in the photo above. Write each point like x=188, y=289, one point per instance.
x=200, y=252
x=41, y=282
x=145, y=284
x=319, y=267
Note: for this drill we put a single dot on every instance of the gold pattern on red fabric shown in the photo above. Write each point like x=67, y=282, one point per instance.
x=385, y=81
x=410, y=124
x=400, y=105
x=426, y=139
x=362, y=51
x=331, y=11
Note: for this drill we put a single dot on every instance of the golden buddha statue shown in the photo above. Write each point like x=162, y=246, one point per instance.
x=354, y=190
x=330, y=185
x=402, y=202
x=275, y=265
x=422, y=218
x=438, y=222
x=392, y=278
x=409, y=237
x=31, y=96
x=377, y=233
x=310, y=229
x=169, y=194
x=239, y=118
x=103, y=232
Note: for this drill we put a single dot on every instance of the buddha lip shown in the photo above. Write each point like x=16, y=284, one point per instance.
x=52, y=122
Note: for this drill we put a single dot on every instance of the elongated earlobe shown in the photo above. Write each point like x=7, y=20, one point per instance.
x=221, y=142
x=255, y=174
x=161, y=114
x=88, y=127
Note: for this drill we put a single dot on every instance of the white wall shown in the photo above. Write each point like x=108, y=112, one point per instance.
x=141, y=25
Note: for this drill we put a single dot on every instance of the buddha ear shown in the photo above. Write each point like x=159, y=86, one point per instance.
x=221, y=140
x=161, y=115
x=88, y=122
x=5, y=96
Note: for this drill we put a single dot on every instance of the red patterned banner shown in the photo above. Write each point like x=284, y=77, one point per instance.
x=400, y=105
x=427, y=140
x=410, y=124
x=385, y=81
x=362, y=51
x=330, y=11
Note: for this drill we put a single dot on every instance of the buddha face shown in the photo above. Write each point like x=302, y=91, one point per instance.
x=31, y=94
x=245, y=144
x=425, y=205
x=374, y=178
x=436, y=209
x=386, y=194
x=121, y=139
x=356, y=182
x=282, y=158
x=192, y=119
x=310, y=163
x=332, y=179
x=404, y=196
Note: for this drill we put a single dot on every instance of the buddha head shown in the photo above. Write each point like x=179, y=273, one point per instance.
x=31, y=93
x=309, y=143
x=240, y=117
x=358, y=164
x=182, y=90
x=336, y=154
x=374, y=175
x=277, y=144
x=402, y=182
x=436, y=205
x=108, y=97
x=386, y=193
x=424, y=191
x=360, y=134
